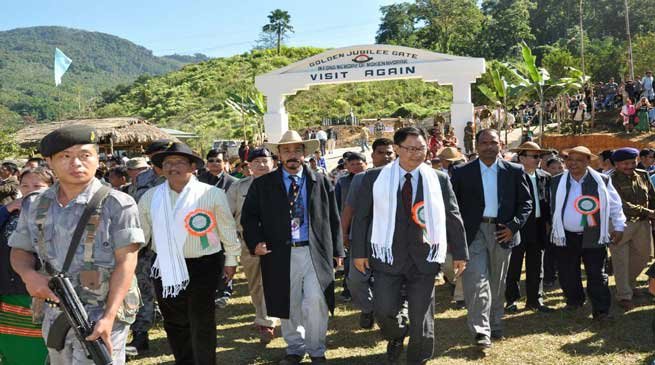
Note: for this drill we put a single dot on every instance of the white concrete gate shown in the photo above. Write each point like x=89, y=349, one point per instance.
x=370, y=63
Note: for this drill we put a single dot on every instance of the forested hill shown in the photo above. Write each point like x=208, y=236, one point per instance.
x=194, y=98
x=100, y=61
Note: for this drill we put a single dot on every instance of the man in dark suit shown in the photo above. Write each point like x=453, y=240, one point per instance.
x=534, y=237
x=290, y=219
x=215, y=173
x=410, y=257
x=494, y=198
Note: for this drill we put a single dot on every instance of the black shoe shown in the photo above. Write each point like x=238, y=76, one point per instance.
x=511, y=308
x=460, y=304
x=319, y=360
x=291, y=360
x=549, y=284
x=572, y=307
x=497, y=335
x=482, y=340
x=139, y=344
x=603, y=317
x=394, y=349
x=540, y=308
x=366, y=320
x=345, y=296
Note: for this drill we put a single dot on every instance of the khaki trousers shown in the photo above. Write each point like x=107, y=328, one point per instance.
x=253, y=272
x=630, y=257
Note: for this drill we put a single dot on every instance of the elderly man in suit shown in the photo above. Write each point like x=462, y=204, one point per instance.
x=494, y=198
x=290, y=219
x=533, y=235
x=406, y=218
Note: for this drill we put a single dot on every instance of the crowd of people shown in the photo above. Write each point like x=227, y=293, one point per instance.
x=172, y=227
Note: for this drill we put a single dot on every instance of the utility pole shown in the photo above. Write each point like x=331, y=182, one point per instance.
x=584, y=71
x=627, y=31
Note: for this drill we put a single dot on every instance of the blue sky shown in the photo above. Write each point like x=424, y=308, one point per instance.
x=213, y=27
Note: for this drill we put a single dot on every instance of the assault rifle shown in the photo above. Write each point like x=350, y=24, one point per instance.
x=74, y=316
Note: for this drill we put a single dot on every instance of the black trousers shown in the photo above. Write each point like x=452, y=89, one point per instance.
x=189, y=317
x=534, y=254
x=420, y=297
x=568, y=262
x=550, y=262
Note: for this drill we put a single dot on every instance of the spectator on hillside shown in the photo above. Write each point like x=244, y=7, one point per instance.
x=322, y=137
x=332, y=140
x=642, y=108
x=364, y=135
x=611, y=89
x=647, y=86
x=628, y=112
x=578, y=117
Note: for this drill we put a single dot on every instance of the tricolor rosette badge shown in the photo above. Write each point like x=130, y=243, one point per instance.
x=418, y=214
x=199, y=223
x=587, y=205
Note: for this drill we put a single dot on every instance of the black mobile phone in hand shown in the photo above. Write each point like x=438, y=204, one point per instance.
x=499, y=227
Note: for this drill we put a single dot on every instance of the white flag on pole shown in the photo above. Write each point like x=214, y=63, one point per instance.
x=62, y=62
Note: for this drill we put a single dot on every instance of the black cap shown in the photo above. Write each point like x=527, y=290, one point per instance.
x=259, y=152
x=177, y=149
x=356, y=156
x=65, y=137
x=158, y=146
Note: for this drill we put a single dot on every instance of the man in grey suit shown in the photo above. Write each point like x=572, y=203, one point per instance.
x=495, y=201
x=411, y=257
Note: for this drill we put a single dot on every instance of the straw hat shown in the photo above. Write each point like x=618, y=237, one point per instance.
x=581, y=150
x=528, y=146
x=450, y=154
x=291, y=137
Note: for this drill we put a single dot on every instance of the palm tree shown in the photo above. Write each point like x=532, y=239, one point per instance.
x=279, y=23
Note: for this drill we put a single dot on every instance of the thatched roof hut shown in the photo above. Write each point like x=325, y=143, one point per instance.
x=130, y=134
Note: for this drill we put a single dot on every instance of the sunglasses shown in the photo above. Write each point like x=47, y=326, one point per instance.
x=214, y=160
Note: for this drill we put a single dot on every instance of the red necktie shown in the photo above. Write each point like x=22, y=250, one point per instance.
x=406, y=194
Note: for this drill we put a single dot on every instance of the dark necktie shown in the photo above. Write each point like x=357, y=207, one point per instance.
x=295, y=200
x=406, y=193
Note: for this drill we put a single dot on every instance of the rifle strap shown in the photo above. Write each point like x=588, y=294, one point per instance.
x=89, y=210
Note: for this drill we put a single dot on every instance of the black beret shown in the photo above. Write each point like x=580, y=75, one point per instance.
x=625, y=153
x=356, y=156
x=158, y=146
x=65, y=137
x=259, y=152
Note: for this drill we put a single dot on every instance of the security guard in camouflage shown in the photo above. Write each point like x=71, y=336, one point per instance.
x=102, y=269
x=145, y=318
x=631, y=255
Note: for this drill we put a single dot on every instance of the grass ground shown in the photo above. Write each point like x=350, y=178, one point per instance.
x=532, y=338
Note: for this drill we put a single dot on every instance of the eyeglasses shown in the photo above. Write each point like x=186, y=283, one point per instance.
x=217, y=160
x=411, y=149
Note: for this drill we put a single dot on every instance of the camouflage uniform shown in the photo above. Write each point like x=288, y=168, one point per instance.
x=45, y=227
x=631, y=255
x=145, y=318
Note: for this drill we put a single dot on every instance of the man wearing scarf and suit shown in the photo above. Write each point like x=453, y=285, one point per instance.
x=403, y=211
x=494, y=198
x=584, y=203
x=290, y=219
x=188, y=220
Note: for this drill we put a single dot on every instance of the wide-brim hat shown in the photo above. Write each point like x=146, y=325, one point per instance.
x=450, y=154
x=581, y=150
x=529, y=146
x=177, y=149
x=291, y=137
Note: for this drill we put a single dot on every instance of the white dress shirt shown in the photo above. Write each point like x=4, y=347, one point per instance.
x=490, y=187
x=535, y=198
x=572, y=218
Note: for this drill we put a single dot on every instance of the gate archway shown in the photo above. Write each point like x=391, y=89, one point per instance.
x=365, y=64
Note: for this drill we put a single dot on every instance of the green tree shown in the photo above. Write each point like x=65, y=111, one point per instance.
x=279, y=23
x=450, y=26
x=508, y=24
x=558, y=61
x=398, y=25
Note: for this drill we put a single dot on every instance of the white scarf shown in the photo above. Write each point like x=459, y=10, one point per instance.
x=385, y=193
x=169, y=233
x=558, y=236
